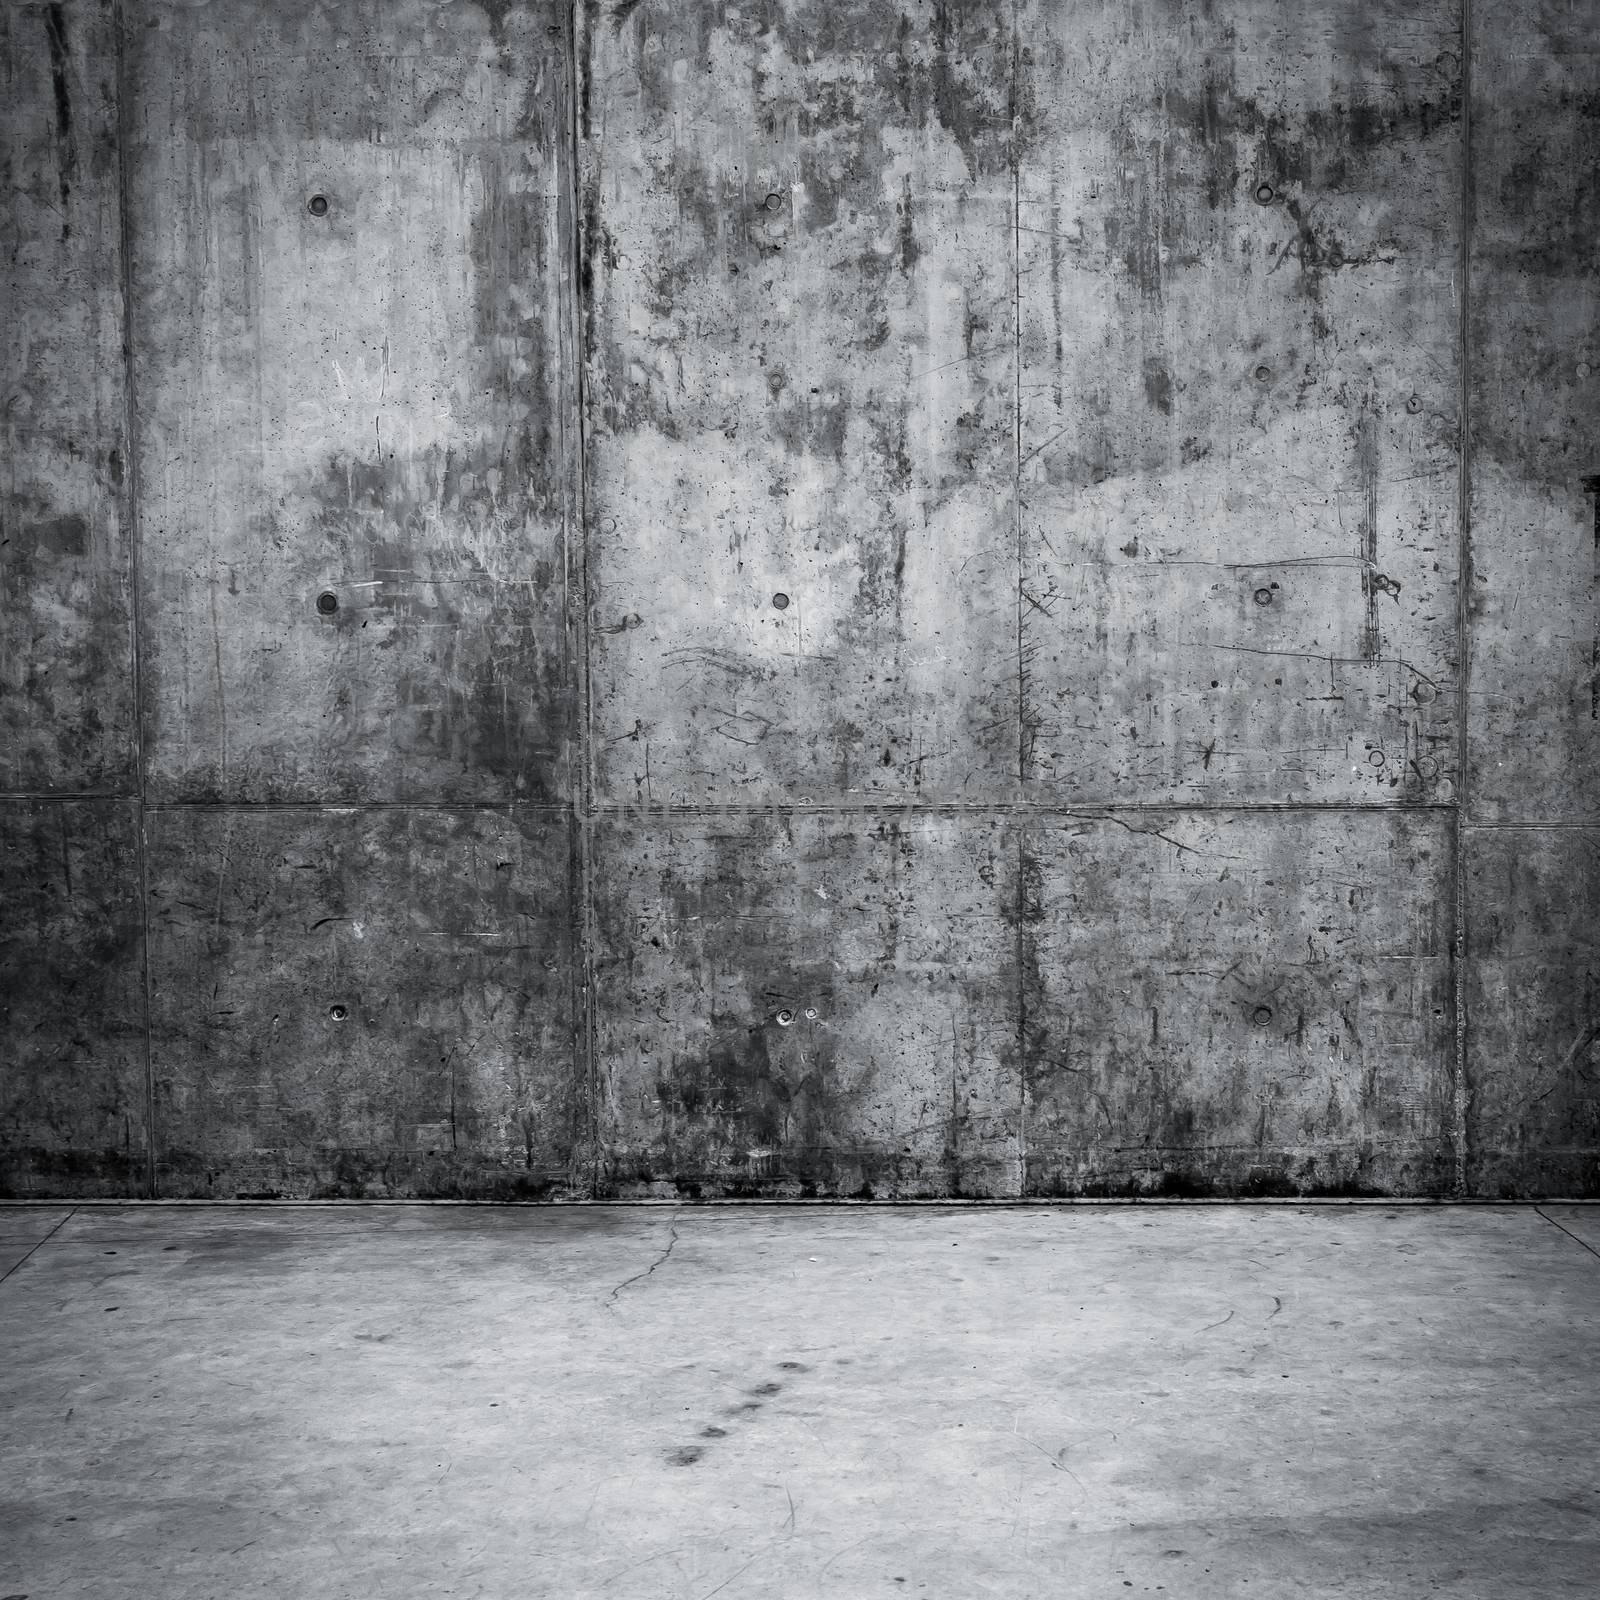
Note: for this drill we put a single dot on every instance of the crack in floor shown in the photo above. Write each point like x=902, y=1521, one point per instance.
x=1576, y=1239
x=653, y=1265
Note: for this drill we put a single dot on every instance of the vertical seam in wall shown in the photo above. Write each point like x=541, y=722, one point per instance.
x=1016, y=402
x=1463, y=602
x=134, y=505
x=583, y=810
x=1022, y=692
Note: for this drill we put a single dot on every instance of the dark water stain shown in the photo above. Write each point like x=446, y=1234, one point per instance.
x=1033, y=1055
x=360, y=1174
x=967, y=81
x=910, y=251
x=481, y=664
x=1206, y=129
x=1546, y=192
x=1278, y=1180
x=60, y=70
x=496, y=12
x=737, y=1098
x=55, y=538
x=686, y=1455
x=1591, y=487
x=812, y=425
x=28, y=1171
x=510, y=245
x=1367, y=468
x=1158, y=385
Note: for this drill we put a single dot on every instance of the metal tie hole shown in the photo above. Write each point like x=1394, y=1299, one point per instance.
x=327, y=602
x=317, y=205
x=1263, y=374
x=1263, y=597
x=1264, y=194
x=811, y=1012
x=1261, y=1016
x=780, y=601
x=1414, y=404
x=785, y=1018
x=773, y=202
x=338, y=1013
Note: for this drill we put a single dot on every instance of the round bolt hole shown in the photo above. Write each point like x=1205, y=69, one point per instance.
x=317, y=205
x=1414, y=404
x=1261, y=1016
x=338, y=1013
x=785, y=1018
x=1263, y=374
x=780, y=601
x=773, y=202
x=327, y=602
x=1263, y=597
x=1264, y=194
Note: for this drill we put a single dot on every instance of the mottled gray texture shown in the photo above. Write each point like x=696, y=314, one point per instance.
x=373, y=403
x=66, y=695
x=811, y=1403
x=364, y=1005
x=946, y=516
x=74, y=1108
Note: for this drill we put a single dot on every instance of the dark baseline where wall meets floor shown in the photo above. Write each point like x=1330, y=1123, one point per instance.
x=883, y=598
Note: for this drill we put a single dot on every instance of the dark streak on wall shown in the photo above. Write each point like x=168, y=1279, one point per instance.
x=885, y=622
x=74, y=1117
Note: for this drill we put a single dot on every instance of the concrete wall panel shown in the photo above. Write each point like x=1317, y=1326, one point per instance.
x=363, y=1003
x=1246, y=1003
x=372, y=402
x=798, y=1004
x=72, y=1033
x=66, y=639
x=1533, y=1005
x=801, y=382
x=1239, y=234
x=1534, y=708
x=1001, y=412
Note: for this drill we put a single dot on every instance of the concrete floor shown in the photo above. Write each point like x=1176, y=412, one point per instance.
x=403, y=1401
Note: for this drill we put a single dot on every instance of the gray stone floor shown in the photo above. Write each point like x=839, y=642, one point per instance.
x=399, y=1401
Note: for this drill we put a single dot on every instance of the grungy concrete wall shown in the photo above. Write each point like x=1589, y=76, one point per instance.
x=873, y=598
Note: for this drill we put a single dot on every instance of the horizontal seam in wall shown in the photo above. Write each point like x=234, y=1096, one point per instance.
x=1082, y=808
x=1577, y=823
x=315, y=807
x=811, y=807
x=1089, y=808
x=32, y=796
x=1018, y=1203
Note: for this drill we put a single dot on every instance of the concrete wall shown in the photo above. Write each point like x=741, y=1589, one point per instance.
x=877, y=598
